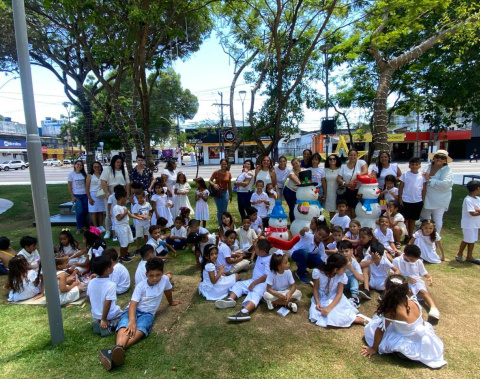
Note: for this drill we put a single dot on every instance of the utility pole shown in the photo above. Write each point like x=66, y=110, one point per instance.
x=221, y=105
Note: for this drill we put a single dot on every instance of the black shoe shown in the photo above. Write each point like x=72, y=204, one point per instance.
x=105, y=357
x=118, y=355
x=124, y=259
x=240, y=316
x=365, y=294
x=131, y=255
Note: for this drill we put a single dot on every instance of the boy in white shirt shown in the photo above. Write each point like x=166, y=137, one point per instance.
x=143, y=209
x=256, y=222
x=337, y=234
x=470, y=222
x=234, y=261
x=146, y=252
x=353, y=271
x=29, y=251
x=137, y=320
x=120, y=275
x=178, y=235
x=102, y=295
x=341, y=219
x=246, y=235
x=260, y=200
x=157, y=240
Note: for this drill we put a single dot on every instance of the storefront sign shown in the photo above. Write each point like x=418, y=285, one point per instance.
x=229, y=136
x=13, y=144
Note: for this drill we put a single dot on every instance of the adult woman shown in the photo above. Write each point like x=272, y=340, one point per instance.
x=96, y=205
x=385, y=167
x=170, y=175
x=439, y=188
x=266, y=172
x=244, y=187
x=306, y=162
x=114, y=175
x=347, y=177
x=76, y=187
x=142, y=174
x=332, y=169
x=281, y=172
x=290, y=190
x=222, y=180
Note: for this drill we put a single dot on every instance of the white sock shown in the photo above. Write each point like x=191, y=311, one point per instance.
x=244, y=310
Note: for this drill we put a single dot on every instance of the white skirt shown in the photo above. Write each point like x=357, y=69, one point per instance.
x=217, y=291
x=342, y=315
x=99, y=205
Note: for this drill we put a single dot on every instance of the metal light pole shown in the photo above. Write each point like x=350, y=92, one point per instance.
x=243, y=95
x=67, y=105
x=325, y=48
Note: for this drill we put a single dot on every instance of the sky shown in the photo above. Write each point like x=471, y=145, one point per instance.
x=205, y=73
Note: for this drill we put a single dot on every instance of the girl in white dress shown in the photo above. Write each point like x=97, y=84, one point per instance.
x=201, y=205
x=23, y=282
x=181, y=190
x=214, y=285
x=70, y=289
x=398, y=327
x=161, y=205
x=427, y=239
x=329, y=306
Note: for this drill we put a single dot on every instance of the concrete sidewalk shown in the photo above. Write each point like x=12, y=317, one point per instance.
x=4, y=205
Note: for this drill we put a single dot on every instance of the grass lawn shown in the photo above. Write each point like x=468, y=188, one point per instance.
x=196, y=340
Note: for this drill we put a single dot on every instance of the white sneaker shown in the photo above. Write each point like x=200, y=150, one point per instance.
x=229, y=303
x=269, y=305
x=293, y=307
x=107, y=235
x=114, y=239
x=102, y=229
x=434, y=313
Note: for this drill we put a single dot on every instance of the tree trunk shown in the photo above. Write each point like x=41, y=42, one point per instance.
x=122, y=134
x=89, y=134
x=380, y=138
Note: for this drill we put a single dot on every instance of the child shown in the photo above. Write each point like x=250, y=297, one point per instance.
x=390, y=192
x=411, y=194
x=146, y=252
x=397, y=222
x=329, y=306
x=120, y=275
x=69, y=288
x=201, y=205
x=260, y=200
x=29, y=251
x=376, y=268
x=398, y=327
x=22, y=280
x=337, y=234
x=256, y=222
x=6, y=253
x=353, y=234
x=137, y=319
x=94, y=245
x=122, y=226
x=365, y=239
x=353, y=271
x=281, y=288
x=143, y=210
x=246, y=235
x=384, y=235
x=233, y=261
x=181, y=190
x=309, y=251
x=470, y=222
x=185, y=215
x=157, y=240
x=272, y=197
x=341, y=219
x=214, y=285
x=254, y=288
x=227, y=224
x=178, y=235
x=427, y=239
x=102, y=295
x=161, y=205
x=200, y=237
x=410, y=265
x=316, y=222
x=67, y=244
x=111, y=202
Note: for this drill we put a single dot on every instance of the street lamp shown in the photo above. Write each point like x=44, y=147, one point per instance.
x=326, y=48
x=243, y=95
x=68, y=105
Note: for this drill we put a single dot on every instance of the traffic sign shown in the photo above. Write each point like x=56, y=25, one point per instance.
x=228, y=135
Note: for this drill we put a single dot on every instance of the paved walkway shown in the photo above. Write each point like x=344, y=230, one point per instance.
x=4, y=205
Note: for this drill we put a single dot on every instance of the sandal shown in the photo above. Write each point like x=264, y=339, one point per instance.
x=474, y=261
x=459, y=258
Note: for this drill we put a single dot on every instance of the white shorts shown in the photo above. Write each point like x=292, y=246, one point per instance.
x=377, y=283
x=141, y=229
x=417, y=286
x=255, y=296
x=124, y=234
x=470, y=235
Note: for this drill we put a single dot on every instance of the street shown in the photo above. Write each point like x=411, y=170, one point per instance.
x=58, y=175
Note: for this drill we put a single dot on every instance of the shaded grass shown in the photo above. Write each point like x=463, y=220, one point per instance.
x=198, y=341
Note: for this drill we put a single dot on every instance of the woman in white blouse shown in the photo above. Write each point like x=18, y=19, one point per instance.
x=244, y=185
x=290, y=190
x=439, y=188
x=348, y=177
x=266, y=172
x=385, y=167
x=281, y=172
x=96, y=205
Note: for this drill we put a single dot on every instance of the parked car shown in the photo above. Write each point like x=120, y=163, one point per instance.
x=13, y=165
x=52, y=162
x=67, y=161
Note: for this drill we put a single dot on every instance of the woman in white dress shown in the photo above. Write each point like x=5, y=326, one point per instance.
x=332, y=168
x=398, y=327
x=96, y=205
x=281, y=172
x=385, y=167
x=266, y=172
x=170, y=176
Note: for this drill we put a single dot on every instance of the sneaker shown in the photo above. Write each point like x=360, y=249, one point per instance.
x=434, y=313
x=102, y=229
x=222, y=304
x=96, y=327
x=365, y=294
x=302, y=278
x=293, y=307
x=114, y=239
x=269, y=305
x=118, y=355
x=124, y=260
x=355, y=301
x=105, y=357
x=130, y=255
x=107, y=235
x=240, y=316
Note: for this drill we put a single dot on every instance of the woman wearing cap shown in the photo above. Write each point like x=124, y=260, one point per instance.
x=439, y=188
x=385, y=167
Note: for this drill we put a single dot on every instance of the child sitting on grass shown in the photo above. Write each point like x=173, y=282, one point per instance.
x=23, y=282
x=137, y=320
x=146, y=252
x=29, y=251
x=178, y=235
x=157, y=240
x=120, y=275
x=354, y=271
x=102, y=295
x=6, y=253
x=70, y=289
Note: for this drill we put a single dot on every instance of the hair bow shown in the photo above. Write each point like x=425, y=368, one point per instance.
x=95, y=231
x=279, y=252
x=65, y=230
x=396, y=281
x=98, y=251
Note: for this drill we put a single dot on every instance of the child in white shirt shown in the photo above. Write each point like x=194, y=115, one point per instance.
x=354, y=271
x=157, y=240
x=337, y=234
x=146, y=252
x=29, y=251
x=272, y=197
x=178, y=235
x=246, y=235
x=384, y=235
x=120, y=275
x=390, y=192
x=341, y=219
x=260, y=199
x=470, y=222
x=256, y=222
x=143, y=209
x=377, y=267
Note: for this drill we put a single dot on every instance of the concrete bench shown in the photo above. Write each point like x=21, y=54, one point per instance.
x=472, y=177
x=66, y=208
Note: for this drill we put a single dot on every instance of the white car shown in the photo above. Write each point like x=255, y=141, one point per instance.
x=13, y=165
x=52, y=162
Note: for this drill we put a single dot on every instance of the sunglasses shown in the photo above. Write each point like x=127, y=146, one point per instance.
x=332, y=159
x=442, y=157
